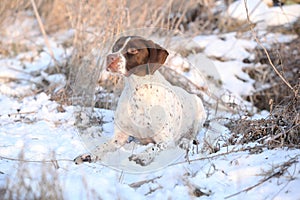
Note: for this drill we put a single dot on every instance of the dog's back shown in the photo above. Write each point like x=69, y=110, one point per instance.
x=150, y=107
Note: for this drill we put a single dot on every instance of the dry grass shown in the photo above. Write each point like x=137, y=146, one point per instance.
x=39, y=180
x=281, y=128
x=106, y=21
x=277, y=90
x=96, y=24
x=33, y=184
x=269, y=87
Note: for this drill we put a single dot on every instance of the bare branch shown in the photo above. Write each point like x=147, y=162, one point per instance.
x=38, y=17
x=280, y=170
x=266, y=51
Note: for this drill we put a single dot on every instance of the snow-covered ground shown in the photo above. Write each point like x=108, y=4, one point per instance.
x=34, y=128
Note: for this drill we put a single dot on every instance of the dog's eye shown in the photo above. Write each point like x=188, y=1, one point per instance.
x=132, y=51
x=115, y=48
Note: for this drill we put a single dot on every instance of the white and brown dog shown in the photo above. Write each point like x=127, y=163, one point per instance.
x=150, y=109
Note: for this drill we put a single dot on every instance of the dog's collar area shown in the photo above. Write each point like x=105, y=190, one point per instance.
x=134, y=79
x=141, y=71
x=148, y=69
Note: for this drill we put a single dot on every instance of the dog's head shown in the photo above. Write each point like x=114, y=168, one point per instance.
x=135, y=55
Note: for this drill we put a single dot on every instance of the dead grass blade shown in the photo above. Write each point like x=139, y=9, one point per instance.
x=277, y=172
x=266, y=51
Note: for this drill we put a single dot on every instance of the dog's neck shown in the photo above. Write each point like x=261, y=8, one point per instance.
x=134, y=80
x=141, y=70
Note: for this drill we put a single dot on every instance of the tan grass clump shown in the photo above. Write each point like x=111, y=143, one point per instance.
x=270, y=89
x=26, y=183
x=282, y=127
x=96, y=24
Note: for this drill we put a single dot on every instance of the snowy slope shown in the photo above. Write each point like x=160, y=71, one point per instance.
x=34, y=128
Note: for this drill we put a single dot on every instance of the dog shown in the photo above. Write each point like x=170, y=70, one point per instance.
x=150, y=110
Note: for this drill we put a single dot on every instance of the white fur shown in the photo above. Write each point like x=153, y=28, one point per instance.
x=152, y=99
x=122, y=62
x=150, y=107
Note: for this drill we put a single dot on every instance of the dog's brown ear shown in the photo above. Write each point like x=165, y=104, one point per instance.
x=157, y=56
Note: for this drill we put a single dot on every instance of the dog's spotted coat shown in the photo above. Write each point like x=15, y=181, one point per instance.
x=150, y=109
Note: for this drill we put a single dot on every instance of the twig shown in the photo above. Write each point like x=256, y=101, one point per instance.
x=38, y=17
x=280, y=171
x=290, y=179
x=12, y=79
x=190, y=85
x=281, y=133
x=22, y=113
x=140, y=183
x=265, y=50
x=19, y=70
x=218, y=155
x=35, y=161
x=201, y=88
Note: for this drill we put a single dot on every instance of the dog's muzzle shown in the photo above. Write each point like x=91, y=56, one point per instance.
x=112, y=62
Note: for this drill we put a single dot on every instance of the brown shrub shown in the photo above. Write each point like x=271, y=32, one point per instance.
x=282, y=127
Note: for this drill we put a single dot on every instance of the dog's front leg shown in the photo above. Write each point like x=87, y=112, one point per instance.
x=147, y=156
x=99, y=152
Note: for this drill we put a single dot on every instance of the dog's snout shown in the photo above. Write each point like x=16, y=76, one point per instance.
x=111, y=61
x=111, y=57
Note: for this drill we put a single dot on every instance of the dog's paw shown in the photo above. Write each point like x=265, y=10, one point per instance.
x=141, y=159
x=184, y=144
x=83, y=158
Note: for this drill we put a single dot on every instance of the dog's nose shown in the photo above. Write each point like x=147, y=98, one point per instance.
x=111, y=60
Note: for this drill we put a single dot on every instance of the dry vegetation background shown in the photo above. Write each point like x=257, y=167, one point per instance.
x=96, y=24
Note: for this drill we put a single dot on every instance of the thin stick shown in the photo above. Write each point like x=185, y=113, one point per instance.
x=218, y=155
x=280, y=171
x=203, y=89
x=34, y=161
x=265, y=50
x=140, y=183
x=38, y=17
x=10, y=79
x=22, y=113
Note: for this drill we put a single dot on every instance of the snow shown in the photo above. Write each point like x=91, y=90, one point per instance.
x=232, y=76
x=32, y=123
x=240, y=171
x=226, y=46
x=260, y=13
